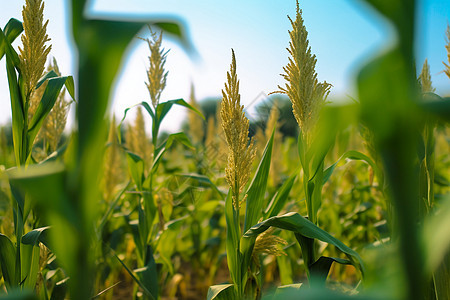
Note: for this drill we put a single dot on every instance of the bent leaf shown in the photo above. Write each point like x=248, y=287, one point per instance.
x=299, y=225
x=11, y=31
x=221, y=292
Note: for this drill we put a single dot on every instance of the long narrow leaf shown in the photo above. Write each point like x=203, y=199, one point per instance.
x=353, y=155
x=279, y=199
x=298, y=224
x=47, y=102
x=232, y=243
x=146, y=291
x=16, y=101
x=257, y=189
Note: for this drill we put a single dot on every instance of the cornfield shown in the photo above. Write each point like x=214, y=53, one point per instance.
x=352, y=204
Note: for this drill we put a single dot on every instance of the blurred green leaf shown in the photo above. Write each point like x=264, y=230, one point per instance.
x=353, y=155
x=288, y=288
x=60, y=290
x=148, y=275
x=139, y=282
x=8, y=262
x=436, y=237
x=136, y=167
x=17, y=294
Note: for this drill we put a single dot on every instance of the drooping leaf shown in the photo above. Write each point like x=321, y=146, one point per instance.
x=36, y=236
x=11, y=31
x=299, y=225
x=320, y=268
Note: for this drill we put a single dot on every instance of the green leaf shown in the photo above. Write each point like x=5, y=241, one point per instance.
x=221, y=292
x=353, y=155
x=203, y=179
x=51, y=93
x=147, y=108
x=320, y=268
x=17, y=108
x=11, y=31
x=8, y=261
x=288, y=288
x=161, y=111
x=178, y=30
x=17, y=294
x=136, y=167
x=439, y=106
x=49, y=75
x=139, y=282
x=179, y=137
x=60, y=290
x=436, y=237
x=299, y=225
x=281, y=196
x=257, y=189
x=29, y=264
x=308, y=251
x=232, y=242
x=100, y=45
x=148, y=275
x=35, y=236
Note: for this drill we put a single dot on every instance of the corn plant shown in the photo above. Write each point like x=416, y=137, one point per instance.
x=389, y=92
x=20, y=262
x=150, y=222
x=243, y=246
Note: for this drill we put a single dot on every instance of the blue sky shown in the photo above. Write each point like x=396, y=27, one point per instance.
x=342, y=33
